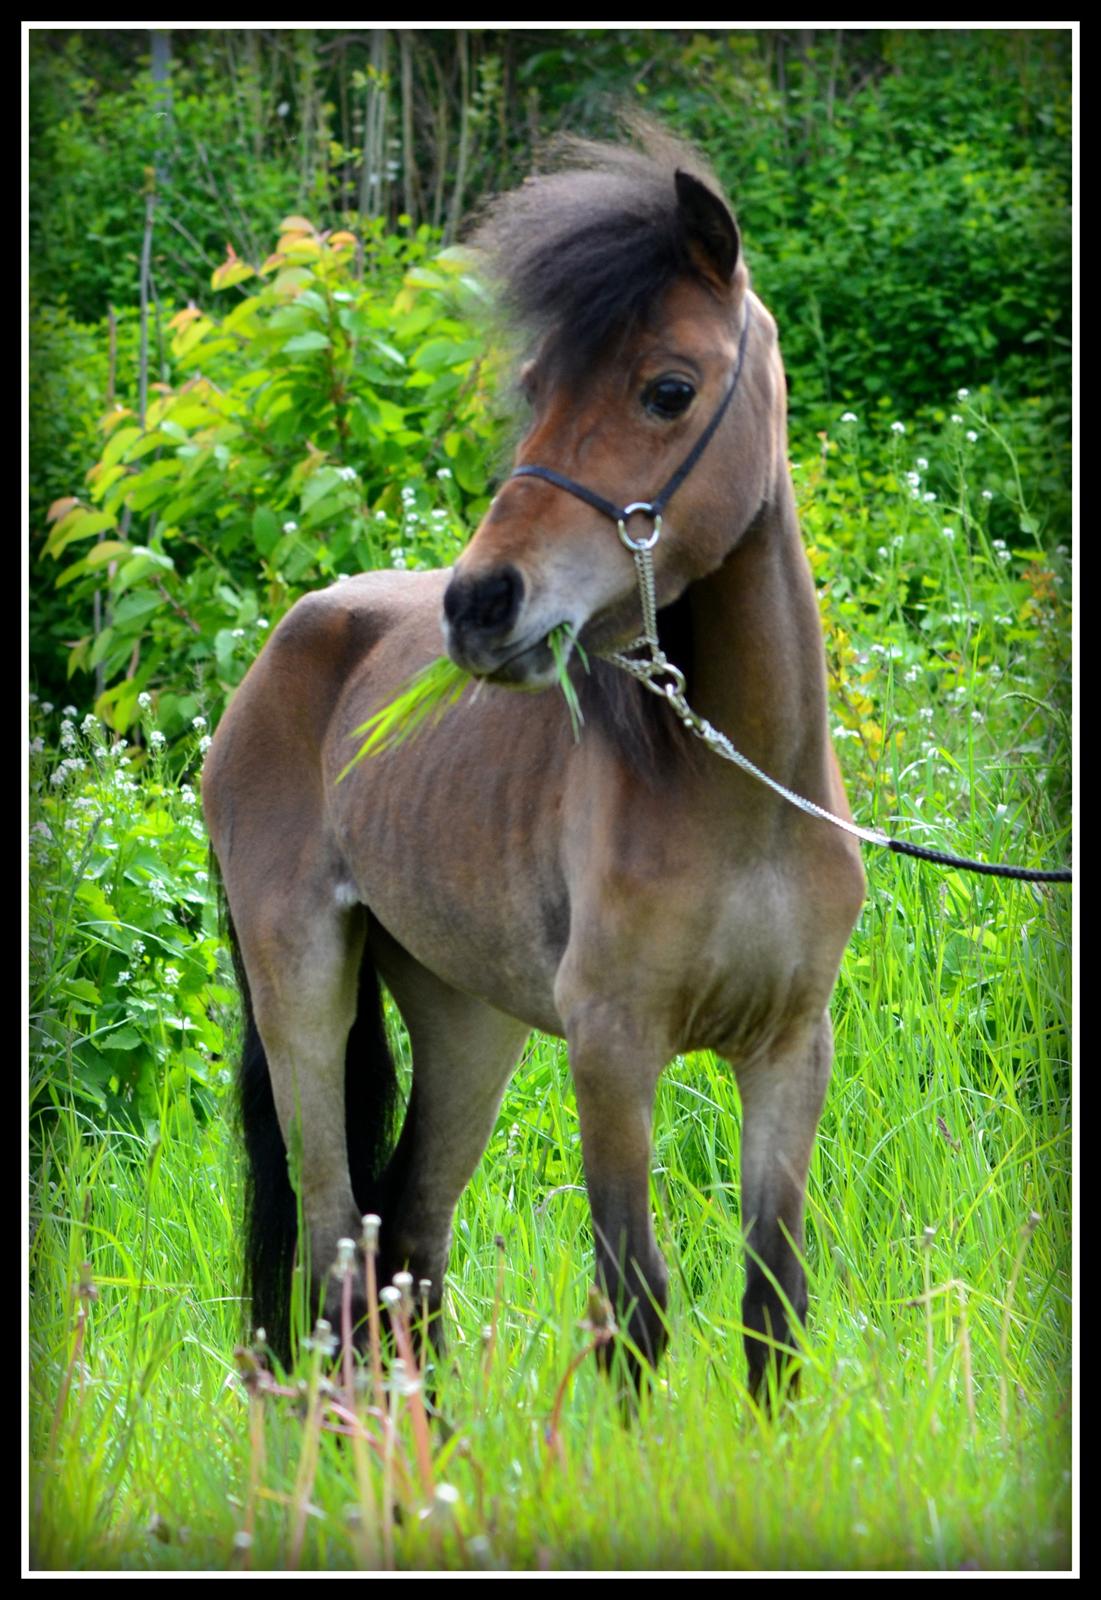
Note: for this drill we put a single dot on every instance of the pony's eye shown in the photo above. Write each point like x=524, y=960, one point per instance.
x=668, y=397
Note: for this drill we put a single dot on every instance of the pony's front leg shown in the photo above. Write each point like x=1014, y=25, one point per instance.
x=614, y=1074
x=782, y=1094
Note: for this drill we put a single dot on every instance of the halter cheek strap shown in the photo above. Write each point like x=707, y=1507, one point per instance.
x=651, y=508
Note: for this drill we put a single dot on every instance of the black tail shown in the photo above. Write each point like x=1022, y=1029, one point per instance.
x=371, y=1100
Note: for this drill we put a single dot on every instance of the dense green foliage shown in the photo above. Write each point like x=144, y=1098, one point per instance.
x=326, y=423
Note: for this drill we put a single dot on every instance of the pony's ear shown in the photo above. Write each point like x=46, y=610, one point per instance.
x=710, y=230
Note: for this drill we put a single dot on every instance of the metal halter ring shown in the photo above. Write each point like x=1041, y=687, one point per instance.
x=621, y=524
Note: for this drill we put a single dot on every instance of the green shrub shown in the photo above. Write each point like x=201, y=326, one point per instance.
x=128, y=1006
x=325, y=424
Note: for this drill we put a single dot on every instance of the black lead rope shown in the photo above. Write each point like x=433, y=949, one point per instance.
x=991, y=869
x=662, y=678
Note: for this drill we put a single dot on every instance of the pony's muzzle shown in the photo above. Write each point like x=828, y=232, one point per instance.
x=480, y=614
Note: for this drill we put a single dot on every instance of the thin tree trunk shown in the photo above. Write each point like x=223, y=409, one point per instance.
x=456, y=208
x=254, y=90
x=441, y=142
x=346, y=138
x=835, y=70
x=306, y=62
x=97, y=598
x=408, y=153
x=372, y=187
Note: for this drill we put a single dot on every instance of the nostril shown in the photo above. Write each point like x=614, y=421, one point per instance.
x=487, y=604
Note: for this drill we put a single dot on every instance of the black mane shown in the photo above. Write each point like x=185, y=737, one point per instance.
x=580, y=253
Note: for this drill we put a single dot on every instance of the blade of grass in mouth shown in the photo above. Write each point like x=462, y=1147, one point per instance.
x=432, y=692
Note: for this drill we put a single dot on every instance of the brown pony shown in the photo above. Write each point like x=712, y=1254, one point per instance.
x=629, y=892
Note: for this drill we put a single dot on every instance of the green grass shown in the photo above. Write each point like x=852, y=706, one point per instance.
x=432, y=692
x=933, y=1427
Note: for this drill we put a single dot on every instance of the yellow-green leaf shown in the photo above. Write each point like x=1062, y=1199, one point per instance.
x=119, y=443
x=229, y=273
x=77, y=525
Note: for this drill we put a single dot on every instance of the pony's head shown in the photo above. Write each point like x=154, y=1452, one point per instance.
x=624, y=272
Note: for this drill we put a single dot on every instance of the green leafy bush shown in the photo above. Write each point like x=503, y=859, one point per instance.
x=905, y=200
x=128, y=1004
x=326, y=423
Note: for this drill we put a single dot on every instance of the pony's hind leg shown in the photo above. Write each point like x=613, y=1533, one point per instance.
x=464, y=1053
x=782, y=1094
x=304, y=976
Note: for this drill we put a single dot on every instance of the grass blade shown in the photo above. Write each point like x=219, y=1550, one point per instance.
x=439, y=686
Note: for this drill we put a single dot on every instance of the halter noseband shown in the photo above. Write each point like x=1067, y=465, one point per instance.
x=651, y=508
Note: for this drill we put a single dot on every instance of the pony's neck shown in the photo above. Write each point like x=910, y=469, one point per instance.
x=758, y=668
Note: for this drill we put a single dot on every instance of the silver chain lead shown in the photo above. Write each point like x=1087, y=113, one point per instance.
x=658, y=674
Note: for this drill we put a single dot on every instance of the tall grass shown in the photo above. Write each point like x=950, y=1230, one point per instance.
x=932, y=1429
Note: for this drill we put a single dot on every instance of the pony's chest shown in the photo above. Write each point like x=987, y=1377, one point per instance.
x=730, y=958
x=764, y=960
